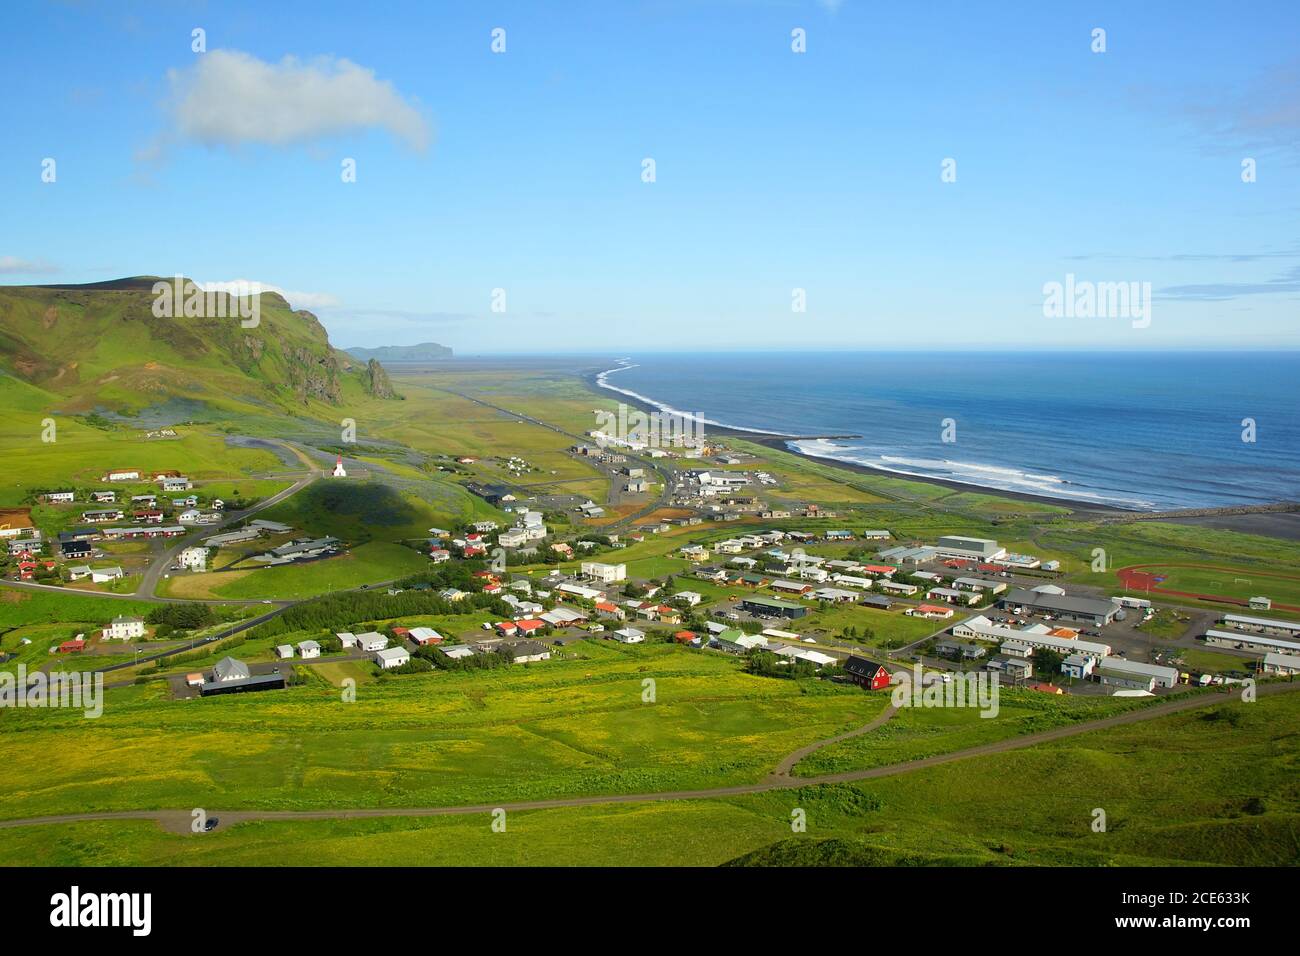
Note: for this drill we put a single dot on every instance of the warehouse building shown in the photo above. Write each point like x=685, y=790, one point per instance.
x=1097, y=611
x=975, y=549
x=1160, y=676
x=1284, y=664
x=1261, y=625
x=1251, y=642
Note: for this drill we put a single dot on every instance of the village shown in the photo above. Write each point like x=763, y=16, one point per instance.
x=852, y=605
x=756, y=597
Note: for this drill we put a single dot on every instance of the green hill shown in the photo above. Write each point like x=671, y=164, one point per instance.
x=101, y=345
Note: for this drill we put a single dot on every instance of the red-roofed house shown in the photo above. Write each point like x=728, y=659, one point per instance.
x=529, y=626
x=607, y=610
x=72, y=647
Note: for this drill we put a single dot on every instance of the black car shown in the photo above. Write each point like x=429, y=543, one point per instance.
x=210, y=824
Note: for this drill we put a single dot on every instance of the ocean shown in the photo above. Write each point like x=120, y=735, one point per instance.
x=1148, y=431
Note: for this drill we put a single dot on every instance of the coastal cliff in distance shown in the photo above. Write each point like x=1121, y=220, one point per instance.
x=424, y=352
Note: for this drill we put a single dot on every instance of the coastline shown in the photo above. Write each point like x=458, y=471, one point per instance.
x=1273, y=519
x=780, y=442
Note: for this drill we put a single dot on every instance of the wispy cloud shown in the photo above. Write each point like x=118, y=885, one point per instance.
x=12, y=265
x=230, y=98
x=299, y=300
x=1288, y=282
x=1188, y=257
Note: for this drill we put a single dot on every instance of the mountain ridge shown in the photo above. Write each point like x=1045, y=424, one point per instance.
x=424, y=352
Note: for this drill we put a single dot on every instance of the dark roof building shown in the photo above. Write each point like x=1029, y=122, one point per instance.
x=771, y=606
x=1097, y=611
x=865, y=673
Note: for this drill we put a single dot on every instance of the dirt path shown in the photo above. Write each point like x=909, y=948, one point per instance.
x=178, y=821
x=788, y=763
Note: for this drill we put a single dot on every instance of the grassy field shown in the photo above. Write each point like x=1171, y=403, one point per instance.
x=924, y=732
x=1172, y=790
x=366, y=564
x=555, y=728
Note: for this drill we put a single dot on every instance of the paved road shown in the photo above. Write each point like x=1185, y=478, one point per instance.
x=179, y=820
x=149, y=581
x=151, y=577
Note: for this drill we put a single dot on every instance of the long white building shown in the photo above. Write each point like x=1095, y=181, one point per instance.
x=981, y=628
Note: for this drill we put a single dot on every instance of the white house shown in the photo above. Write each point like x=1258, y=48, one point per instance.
x=308, y=649
x=604, y=573
x=459, y=651
x=347, y=637
x=692, y=598
x=514, y=538
x=392, y=657
x=124, y=629
x=372, y=641
x=104, y=575
x=193, y=559
x=284, y=651
x=628, y=635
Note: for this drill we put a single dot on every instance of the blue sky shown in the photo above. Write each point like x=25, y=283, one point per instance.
x=774, y=170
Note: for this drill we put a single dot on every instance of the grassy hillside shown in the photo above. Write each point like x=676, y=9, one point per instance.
x=100, y=348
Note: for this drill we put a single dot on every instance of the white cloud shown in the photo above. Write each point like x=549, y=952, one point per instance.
x=299, y=300
x=12, y=265
x=228, y=98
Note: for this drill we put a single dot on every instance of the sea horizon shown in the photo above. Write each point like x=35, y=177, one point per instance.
x=1145, y=431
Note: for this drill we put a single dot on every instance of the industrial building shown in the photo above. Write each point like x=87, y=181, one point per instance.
x=1262, y=625
x=1161, y=676
x=1097, y=611
x=1251, y=642
x=975, y=549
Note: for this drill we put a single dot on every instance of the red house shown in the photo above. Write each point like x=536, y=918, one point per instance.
x=70, y=647
x=866, y=674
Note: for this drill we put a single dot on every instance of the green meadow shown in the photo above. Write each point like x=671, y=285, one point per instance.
x=1172, y=791
x=551, y=729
